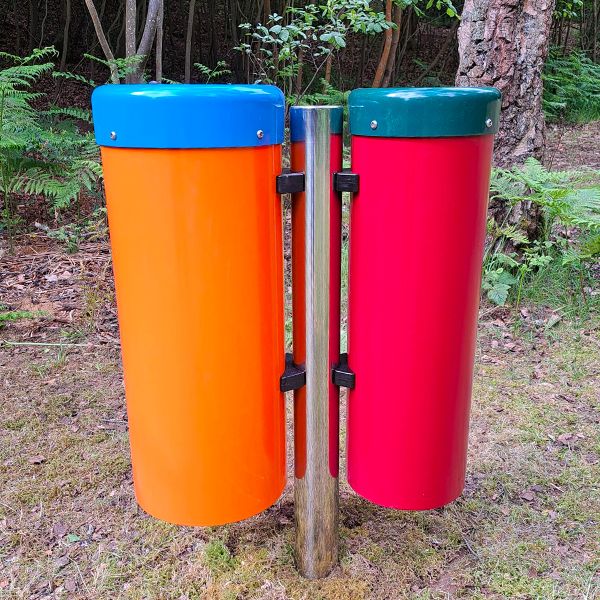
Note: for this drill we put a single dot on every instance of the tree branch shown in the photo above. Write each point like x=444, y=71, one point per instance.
x=110, y=57
x=149, y=28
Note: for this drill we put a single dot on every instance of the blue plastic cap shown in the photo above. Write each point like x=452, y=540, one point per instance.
x=157, y=115
x=297, y=116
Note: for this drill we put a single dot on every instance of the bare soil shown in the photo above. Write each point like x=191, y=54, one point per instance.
x=525, y=527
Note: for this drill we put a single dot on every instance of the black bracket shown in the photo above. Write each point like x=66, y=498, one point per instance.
x=342, y=375
x=346, y=181
x=289, y=183
x=294, y=376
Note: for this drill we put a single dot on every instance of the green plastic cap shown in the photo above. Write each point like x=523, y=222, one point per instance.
x=424, y=112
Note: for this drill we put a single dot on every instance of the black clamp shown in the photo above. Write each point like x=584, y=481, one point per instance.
x=346, y=181
x=342, y=375
x=294, y=376
x=289, y=183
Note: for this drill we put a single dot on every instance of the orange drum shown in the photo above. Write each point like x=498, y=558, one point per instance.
x=196, y=234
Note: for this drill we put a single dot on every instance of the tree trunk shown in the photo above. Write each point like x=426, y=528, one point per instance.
x=391, y=64
x=114, y=76
x=159, y=42
x=34, y=23
x=387, y=45
x=328, y=68
x=504, y=43
x=188, y=41
x=65, y=40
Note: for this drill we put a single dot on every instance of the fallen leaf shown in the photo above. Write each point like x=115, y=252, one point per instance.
x=528, y=495
x=70, y=585
x=553, y=320
x=61, y=562
x=72, y=538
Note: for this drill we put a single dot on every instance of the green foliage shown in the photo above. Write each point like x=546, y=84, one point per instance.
x=17, y=315
x=571, y=87
x=42, y=152
x=570, y=235
x=326, y=94
x=305, y=36
x=120, y=67
x=221, y=70
x=218, y=557
x=568, y=9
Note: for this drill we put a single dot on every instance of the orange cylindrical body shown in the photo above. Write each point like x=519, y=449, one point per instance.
x=196, y=236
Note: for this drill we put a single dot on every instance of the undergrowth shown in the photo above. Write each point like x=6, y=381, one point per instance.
x=43, y=152
x=571, y=87
x=560, y=265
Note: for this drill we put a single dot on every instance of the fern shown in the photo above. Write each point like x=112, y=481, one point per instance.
x=569, y=199
x=42, y=152
x=571, y=87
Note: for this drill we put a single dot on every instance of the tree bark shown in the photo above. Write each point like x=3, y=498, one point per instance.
x=159, y=42
x=65, y=40
x=130, y=27
x=34, y=23
x=114, y=75
x=387, y=45
x=148, y=35
x=188, y=41
x=504, y=43
x=391, y=64
x=266, y=11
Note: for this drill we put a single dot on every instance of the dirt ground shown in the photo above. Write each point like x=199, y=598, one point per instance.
x=525, y=527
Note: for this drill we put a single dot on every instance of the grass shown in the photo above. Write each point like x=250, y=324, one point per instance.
x=526, y=526
x=17, y=315
x=566, y=288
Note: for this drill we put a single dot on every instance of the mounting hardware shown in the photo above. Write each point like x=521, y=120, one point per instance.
x=289, y=183
x=346, y=181
x=374, y=124
x=260, y=134
x=294, y=376
x=113, y=135
x=489, y=123
x=343, y=375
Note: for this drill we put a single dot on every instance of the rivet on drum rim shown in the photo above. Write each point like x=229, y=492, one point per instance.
x=260, y=134
x=374, y=124
x=113, y=135
x=489, y=123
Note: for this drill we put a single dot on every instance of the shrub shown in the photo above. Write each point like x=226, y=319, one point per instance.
x=571, y=87
x=42, y=152
x=569, y=238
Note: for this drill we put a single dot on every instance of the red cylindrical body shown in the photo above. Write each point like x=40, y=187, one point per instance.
x=416, y=244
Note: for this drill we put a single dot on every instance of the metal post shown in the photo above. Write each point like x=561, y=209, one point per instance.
x=316, y=488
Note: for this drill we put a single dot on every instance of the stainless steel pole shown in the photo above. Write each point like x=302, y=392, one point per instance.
x=316, y=488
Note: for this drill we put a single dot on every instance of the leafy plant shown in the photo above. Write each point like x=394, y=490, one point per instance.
x=571, y=87
x=570, y=236
x=42, y=152
x=120, y=68
x=305, y=38
x=221, y=69
x=17, y=315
